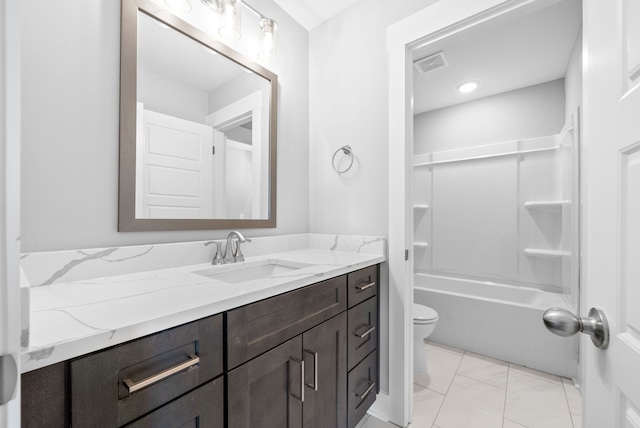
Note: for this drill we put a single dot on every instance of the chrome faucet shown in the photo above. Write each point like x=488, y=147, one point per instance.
x=233, y=253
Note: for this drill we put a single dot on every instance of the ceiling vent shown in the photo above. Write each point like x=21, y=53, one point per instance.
x=430, y=63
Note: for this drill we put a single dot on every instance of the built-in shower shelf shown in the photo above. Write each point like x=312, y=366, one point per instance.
x=545, y=205
x=547, y=254
x=420, y=244
x=421, y=207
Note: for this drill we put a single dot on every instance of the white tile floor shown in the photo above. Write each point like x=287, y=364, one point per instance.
x=467, y=390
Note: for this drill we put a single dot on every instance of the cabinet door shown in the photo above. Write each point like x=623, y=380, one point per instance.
x=201, y=408
x=325, y=357
x=267, y=392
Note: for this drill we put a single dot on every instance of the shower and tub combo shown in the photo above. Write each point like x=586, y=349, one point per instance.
x=496, y=228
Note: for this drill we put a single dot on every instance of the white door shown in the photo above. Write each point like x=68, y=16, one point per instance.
x=177, y=167
x=9, y=213
x=611, y=204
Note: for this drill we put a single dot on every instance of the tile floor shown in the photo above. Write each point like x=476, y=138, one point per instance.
x=467, y=390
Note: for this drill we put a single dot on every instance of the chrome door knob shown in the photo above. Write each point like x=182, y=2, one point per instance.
x=564, y=323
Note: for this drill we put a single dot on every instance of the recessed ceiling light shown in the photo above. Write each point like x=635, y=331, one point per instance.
x=468, y=86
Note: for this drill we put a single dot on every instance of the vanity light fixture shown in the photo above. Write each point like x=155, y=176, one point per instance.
x=229, y=10
x=179, y=6
x=468, y=86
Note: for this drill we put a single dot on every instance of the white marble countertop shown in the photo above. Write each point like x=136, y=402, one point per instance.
x=74, y=318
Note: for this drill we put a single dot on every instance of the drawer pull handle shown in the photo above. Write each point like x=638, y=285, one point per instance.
x=301, y=362
x=136, y=386
x=366, y=333
x=364, y=287
x=367, y=391
x=315, y=369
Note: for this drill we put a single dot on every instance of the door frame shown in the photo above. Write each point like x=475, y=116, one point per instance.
x=229, y=116
x=10, y=124
x=437, y=21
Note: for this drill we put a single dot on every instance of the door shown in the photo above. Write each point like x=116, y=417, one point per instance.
x=9, y=212
x=176, y=164
x=325, y=362
x=611, y=204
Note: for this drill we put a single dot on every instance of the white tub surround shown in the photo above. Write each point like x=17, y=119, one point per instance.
x=77, y=307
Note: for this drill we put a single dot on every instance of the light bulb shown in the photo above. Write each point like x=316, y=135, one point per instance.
x=269, y=29
x=230, y=11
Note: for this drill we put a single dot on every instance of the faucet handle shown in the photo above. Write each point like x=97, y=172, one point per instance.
x=217, y=257
x=237, y=253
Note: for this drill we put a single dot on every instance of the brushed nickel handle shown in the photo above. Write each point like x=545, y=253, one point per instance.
x=564, y=323
x=366, y=333
x=301, y=362
x=364, y=287
x=315, y=369
x=136, y=386
x=367, y=391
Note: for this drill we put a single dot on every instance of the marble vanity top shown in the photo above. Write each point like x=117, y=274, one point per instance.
x=69, y=319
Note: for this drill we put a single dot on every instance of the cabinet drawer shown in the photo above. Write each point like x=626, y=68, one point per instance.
x=201, y=408
x=363, y=284
x=116, y=386
x=363, y=330
x=260, y=326
x=362, y=388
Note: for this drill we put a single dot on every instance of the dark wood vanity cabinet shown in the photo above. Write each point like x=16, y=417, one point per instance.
x=307, y=358
x=115, y=387
x=301, y=382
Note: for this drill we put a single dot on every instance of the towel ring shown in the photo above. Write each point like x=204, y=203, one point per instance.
x=347, y=151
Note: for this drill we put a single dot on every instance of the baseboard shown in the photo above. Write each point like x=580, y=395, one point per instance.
x=380, y=408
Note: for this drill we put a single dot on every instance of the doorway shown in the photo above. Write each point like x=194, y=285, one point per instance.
x=416, y=37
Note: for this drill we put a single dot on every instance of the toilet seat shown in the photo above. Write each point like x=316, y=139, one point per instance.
x=424, y=314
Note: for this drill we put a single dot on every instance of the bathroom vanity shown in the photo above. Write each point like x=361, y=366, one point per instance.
x=304, y=357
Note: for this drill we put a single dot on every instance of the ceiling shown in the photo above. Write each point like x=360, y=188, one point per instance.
x=311, y=13
x=517, y=52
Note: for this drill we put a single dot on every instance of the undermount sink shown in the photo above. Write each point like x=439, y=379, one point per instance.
x=249, y=271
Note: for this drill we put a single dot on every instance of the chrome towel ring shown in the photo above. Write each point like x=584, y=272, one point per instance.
x=347, y=152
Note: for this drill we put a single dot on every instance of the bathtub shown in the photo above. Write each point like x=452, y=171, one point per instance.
x=499, y=321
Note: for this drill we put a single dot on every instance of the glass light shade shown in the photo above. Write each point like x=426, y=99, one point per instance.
x=230, y=13
x=179, y=6
x=269, y=30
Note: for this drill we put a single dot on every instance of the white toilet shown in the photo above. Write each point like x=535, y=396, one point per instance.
x=424, y=321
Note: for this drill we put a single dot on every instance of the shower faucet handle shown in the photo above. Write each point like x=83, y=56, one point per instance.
x=564, y=323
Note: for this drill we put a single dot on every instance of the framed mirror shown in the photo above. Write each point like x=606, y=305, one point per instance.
x=197, y=128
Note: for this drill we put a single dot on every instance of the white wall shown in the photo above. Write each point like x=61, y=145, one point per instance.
x=70, y=108
x=348, y=105
x=529, y=112
x=171, y=97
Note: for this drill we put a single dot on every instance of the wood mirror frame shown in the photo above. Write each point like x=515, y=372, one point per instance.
x=127, y=221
